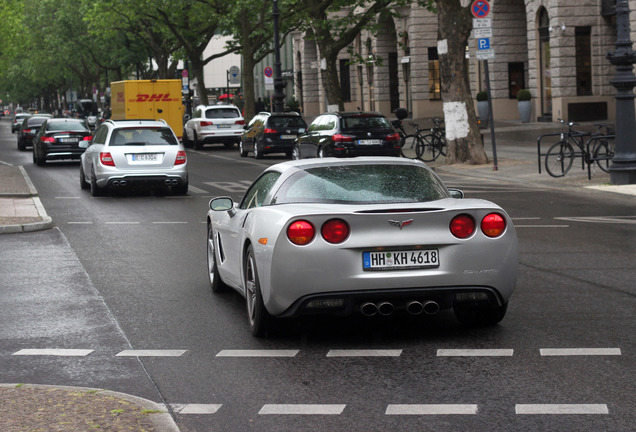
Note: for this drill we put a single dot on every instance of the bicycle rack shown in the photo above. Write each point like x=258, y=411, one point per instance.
x=591, y=157
x=539, y=154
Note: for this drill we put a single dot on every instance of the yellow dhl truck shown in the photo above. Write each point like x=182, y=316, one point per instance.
x=148, y=99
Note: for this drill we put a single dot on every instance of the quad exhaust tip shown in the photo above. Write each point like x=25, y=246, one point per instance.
x=386, y=308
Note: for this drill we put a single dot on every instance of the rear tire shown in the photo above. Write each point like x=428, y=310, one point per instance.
x=198, y=145
x=242, y=150
x=96, y=191
x=559, y=158
x=83, y=183
x=259, y=318
x=258, y=153
x=603, y=154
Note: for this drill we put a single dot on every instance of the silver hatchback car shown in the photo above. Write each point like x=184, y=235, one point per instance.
x=127, y=153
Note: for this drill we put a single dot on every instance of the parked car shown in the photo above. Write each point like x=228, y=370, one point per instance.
x=347, y=134
x=18, y=118
x=272, y=133
x=212, y=124
x=368, y=235
x=127, y=153
x=60, y=138
x=29, y=128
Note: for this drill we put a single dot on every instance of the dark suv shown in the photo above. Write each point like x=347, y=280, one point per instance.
x=347, y=134
x=272, y=133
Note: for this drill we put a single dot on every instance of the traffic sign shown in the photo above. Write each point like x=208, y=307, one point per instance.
x=480, y=8
x=235, y=75
x=485, y=54
x=269, y=72
x=482, y=23
x=184, y=73
x=482, y=32
x=483, y=44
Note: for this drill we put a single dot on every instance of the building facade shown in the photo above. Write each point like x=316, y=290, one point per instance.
x=555, y=48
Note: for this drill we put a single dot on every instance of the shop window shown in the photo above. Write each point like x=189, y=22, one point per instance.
x=345, y=80
x=516, y=78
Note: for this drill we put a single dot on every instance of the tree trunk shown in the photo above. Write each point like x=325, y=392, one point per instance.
x=462, y=131
x=197, y=68
x=330, y=81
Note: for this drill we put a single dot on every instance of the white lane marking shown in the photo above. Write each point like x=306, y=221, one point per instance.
x=296, y=409
x=123, y=223
x=431, y=409
x=601, y=219
x=475, y=352
x=169, y=222
x=54, y=352
x=579, y=351
x=257, y=353
x=151, y=353
x=364, y=353
x=561, y=409
x=196, y=190
x=195, y=408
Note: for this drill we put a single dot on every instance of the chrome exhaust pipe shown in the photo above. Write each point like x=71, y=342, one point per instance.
x=368, y=309
x=167, y=182
x=414, y=307
x=122, y=183
x=385, y=308
x=430, y=307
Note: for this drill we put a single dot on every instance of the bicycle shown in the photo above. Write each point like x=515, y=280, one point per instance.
x=598, y=148
x=410, y=145
x=434, y=142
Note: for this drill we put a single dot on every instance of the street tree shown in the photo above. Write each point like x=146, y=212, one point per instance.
x=454, y=24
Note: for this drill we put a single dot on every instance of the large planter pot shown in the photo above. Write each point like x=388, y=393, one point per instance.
x=525, y=110
x=482, y=109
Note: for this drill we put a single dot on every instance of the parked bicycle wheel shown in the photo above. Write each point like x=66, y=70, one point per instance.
x=603, y=154
x=430, y=149
x=409, y=147
x=559, y=158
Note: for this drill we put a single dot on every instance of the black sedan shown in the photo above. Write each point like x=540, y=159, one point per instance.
x=59, y=138
x=29, y=128
x=348, y=134
x=271, y=133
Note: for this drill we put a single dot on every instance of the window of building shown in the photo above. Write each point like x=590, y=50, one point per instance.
x=516, y=78
x=345, y=80
x=434, y=80
x=583, y=42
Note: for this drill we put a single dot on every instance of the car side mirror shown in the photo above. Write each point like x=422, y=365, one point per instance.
x=456, y=193
x=221, y=204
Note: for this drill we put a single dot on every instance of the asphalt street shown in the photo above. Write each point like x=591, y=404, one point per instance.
x=120, y=284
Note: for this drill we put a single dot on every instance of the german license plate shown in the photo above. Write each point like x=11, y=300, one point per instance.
x=289, y=137
x=400, y=260
x=144, y=157
x=370, y=142
x=223, y=126
x=68, y=140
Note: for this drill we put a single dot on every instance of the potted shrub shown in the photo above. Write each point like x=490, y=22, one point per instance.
x=482, y=108
x=525, y=105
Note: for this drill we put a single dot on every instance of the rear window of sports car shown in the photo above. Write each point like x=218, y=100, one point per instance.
x=364, y=184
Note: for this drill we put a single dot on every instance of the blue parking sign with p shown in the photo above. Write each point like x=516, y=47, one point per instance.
x=483, y=43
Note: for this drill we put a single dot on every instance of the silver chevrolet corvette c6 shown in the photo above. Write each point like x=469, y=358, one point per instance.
x=369, y=235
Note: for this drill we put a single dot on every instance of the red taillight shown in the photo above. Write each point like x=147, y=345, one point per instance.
x=342, y=138
x=335, y=231
x=301, y=232
x=181, y=158
x=87, y=138
x=27, y=131
x=493, y=225
x=206, y=123
x=393, y=137
x=106, y=159
x=47, y=139
x=240, y=122
x=462, y=226
x=270, y=131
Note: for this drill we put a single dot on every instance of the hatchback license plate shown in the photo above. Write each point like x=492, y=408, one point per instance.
x=223, y=126
x=370, y=142
x=400, y=260
x=68, y=140
x=289, y=137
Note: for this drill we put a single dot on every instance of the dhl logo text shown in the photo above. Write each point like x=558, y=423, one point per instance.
x=161, y=97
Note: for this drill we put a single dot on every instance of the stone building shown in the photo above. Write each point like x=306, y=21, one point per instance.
x=555, y=48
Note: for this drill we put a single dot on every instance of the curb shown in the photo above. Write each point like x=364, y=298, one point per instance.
x=161, y=420
x=44, y=224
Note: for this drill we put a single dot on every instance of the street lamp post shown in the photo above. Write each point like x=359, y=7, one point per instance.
x=623, y=168
x=279, y=96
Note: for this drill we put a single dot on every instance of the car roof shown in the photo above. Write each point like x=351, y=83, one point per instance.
x=206, y=107
x=136, y=122
x=355, y=113
x=65, y=120
x=303, y=164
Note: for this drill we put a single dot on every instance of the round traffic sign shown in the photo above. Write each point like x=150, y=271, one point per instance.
x=480, y=8
x=269, y=72
x=184, y=73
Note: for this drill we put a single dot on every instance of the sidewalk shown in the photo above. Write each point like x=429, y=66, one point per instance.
x=20, y=206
